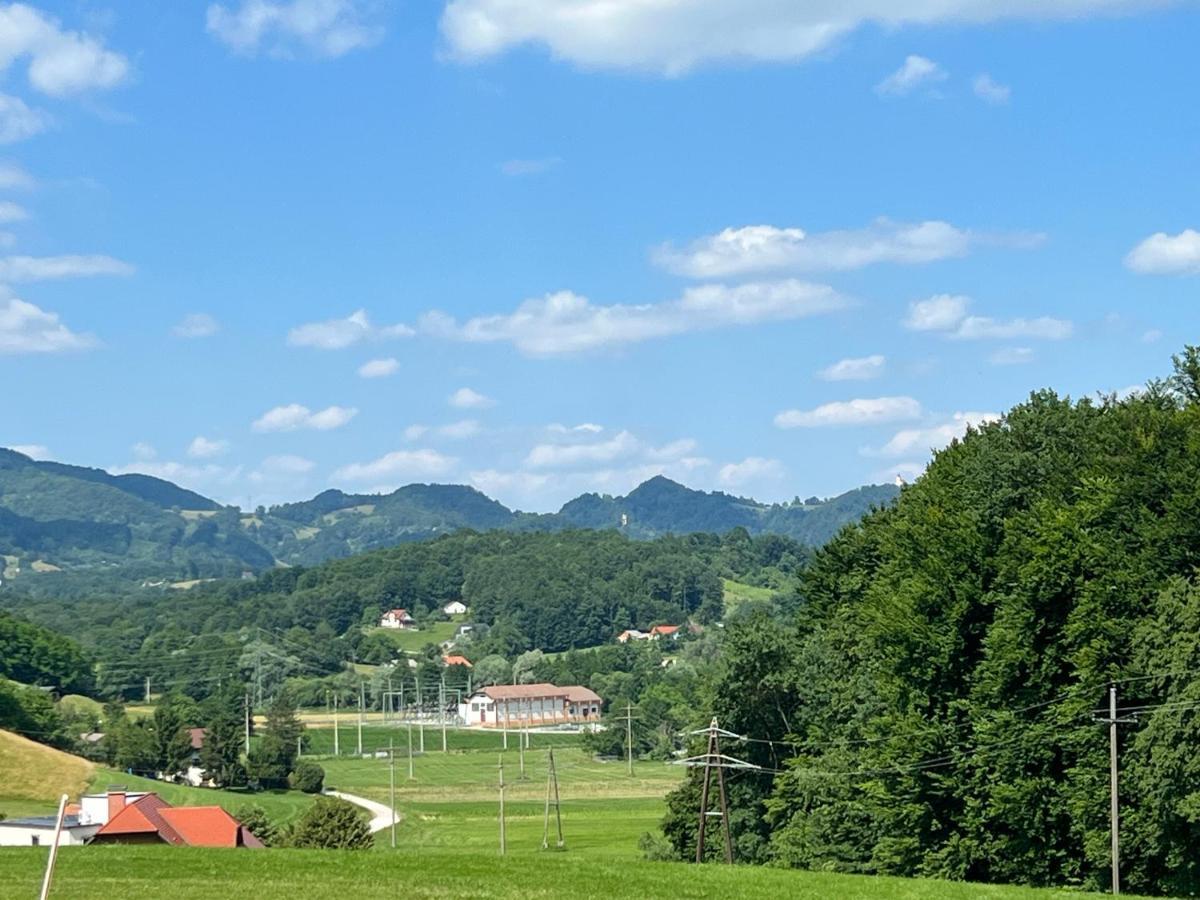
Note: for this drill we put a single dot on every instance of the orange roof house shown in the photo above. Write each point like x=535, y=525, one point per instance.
x=152, y=820
x=661, y=631
x=456, y=661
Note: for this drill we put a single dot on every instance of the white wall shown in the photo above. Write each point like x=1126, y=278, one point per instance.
x=23, y=835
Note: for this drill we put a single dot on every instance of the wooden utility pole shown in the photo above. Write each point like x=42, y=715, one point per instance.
x=392, y=787
x=629, y=737
x=147, y=688
x=1114, y=798
x=49, y=876
x=410, y=767
x=361, y=699
x=336, y=747
x=503, y=841
x=552, y=786
x=712, y=759
x=246, y=706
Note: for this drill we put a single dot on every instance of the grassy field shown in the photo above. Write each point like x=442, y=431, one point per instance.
x=134, y=873
x=33, y=776
x=281, y=806
x=376, y=736
x=413, y=641
x=737, y=593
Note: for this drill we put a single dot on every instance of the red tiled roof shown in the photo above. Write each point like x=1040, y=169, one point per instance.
x=197, y=736
x=524, y=691
x=664, y=629
x=579, y=694
x=457, y=661
x=141, y=817
x=203, y=826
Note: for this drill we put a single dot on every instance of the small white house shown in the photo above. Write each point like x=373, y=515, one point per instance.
x=38, y=831
x=396, y=618
x=455, y=608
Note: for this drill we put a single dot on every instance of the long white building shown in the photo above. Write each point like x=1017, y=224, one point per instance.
x=518, y=705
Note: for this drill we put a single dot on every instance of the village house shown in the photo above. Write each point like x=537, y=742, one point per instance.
x=152, y=820
x=658, y=632
x=396, y=618
x=631, y=635
x=38, y=831
x=455, y=608
x=520, y=705
x=455, y=660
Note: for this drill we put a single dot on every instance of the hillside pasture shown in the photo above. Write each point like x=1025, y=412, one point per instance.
x=34, y=776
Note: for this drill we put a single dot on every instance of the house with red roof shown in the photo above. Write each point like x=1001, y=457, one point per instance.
x=396, y=618
x=658, y=632
x=454, y=660
x=152, y=820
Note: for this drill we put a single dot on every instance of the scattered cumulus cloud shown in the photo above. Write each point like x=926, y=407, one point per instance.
x=337, y=334
x=378, y=368
x=415, y=432
x=1011, y=356
x=582, y=428
x=144, y=451
x=674, y=38
x=869, y=411
x=934, y=437
x=13, y=177
x=767, y=248
x=283, y=30
x=621, y=447
x=862, y=368
x=19, y=122
x=991, y=91
x=1166, y=254
x=750, y=470
x=33, y=451
x=25, y=328
x=917, y=71
x=454, y=431
x=514, y=168
x=47, y=268
x=396, y=468
x=466, y=398
x=294, y=417
x=1151, y=336
x=947, y=314
x=196, y=325
x=61, y=62
x=566, y=323
x=12, y=212
x=204, y=448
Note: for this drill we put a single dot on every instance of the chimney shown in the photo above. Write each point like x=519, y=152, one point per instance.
x=116, y=803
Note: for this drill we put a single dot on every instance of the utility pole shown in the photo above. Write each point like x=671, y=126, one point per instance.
x=552, y=785
x=246, y=705
x=521, y=750
x=147, y=688
x=392, y=787
x=387, y=706
x=336, y=748
x=360, y=715
x=442, y=710
x=1114, y=800
x=629, y=737
x=421, y=729
x=410, y=768
x=503, y=842
x=505, y=724
x=711, y=759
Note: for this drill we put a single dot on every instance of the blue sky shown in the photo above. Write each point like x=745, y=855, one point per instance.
x=264, y=248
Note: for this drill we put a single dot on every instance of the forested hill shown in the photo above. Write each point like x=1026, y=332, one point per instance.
x=937, y=696
x=64, y=526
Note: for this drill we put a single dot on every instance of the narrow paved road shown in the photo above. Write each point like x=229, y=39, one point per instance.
x=381, y=814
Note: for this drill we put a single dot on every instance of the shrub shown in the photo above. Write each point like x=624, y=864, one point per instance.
x=332, y=824
x=307, y=777
x=255, y=819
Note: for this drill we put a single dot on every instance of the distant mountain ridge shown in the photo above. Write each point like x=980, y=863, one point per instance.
x=55, y=516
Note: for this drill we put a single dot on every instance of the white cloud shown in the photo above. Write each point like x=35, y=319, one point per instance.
x=674, y=37
x=19, y=122
x=24, y=328
x=584, y=428
x=1165, y=254
x=196, y=325
x=204, y=448
x=990, y=91
x=916, y=71
x=144, y=451
x=283, y=465
x=397, y=467
x=947, y=314
x=766, y=248
x=33, y=451
x=466, y=398
x=749, y=470
x=45, y=268
x=12, y=212
x=294, y=416
x=1011, y=356
x=337, y=334
x=13, y=177
x=921, y=440
x=1151, y=335
x=323, y=28
x=566, y=323
x=851, y=412
x=454, y=431
x=378, y=368
x=862, y=368
x=558, y=456
x=60, y=62
x=203, y=478
x=517, y=167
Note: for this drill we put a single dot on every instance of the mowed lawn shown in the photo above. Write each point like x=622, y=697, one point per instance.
x=33, y=776
x=413, y=640
x=150, y=873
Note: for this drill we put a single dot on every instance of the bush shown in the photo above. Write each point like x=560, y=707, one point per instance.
x=255, y=819
x=307, y=777
x=332, y=824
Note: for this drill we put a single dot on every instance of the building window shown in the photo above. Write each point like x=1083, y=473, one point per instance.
x=34, y=840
